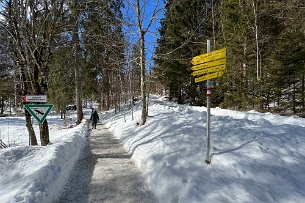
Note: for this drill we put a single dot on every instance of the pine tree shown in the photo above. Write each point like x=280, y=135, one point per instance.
x=185, y=29
x=265, y=53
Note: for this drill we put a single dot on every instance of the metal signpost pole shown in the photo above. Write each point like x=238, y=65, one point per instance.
x=208, y=94
x=208, y=66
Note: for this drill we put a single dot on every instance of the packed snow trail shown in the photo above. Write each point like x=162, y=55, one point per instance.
x=105, y=173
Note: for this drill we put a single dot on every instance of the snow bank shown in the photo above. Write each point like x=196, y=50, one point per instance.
x=249, y=115
x=38, y=174
x=254, y=116
x=255, y=157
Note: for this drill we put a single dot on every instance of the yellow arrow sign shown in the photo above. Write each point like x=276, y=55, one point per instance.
x=210, y=56
x=209, y=64
x=207, y=77
x=209, y=70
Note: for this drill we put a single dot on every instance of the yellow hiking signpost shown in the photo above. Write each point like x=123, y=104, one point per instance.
x=208, y=70
x=208, y=66
x=210, y=56
x=210, y=62
x=208, y=77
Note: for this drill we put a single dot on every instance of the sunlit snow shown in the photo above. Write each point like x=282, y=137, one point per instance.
x=256, y=157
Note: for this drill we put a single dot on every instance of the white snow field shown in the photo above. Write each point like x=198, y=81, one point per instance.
x=37, y=174
x=256, y=157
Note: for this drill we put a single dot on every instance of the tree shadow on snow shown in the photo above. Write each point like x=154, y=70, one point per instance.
x=234, y=149
x=77, y=187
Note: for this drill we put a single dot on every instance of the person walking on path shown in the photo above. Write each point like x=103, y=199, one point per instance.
x=94, y=118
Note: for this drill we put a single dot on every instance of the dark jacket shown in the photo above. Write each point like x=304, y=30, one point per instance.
x=94, y=117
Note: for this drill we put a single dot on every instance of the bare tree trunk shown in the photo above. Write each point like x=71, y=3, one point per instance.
x=147, y=103
x=131, y=94
x=118, y=91
x=303, y=92
x=256, y=39
x=115, y=102
x=148, y=91
x=143, y=82
x=112, y=104
x=213, y=21
x=106, y=87
x=28, y=121
x=44, y=133
x=102, y=102
x=78, y=97
x=29, y=126
x=121, y=91
x=244, y=78
x=222, y=26
x=140, y=14
x=293, y=98
x=279, y=95
x=2, y=105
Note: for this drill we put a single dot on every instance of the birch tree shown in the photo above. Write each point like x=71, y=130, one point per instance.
x=144, y=18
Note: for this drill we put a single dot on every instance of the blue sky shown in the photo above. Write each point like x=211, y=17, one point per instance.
x=152, y=35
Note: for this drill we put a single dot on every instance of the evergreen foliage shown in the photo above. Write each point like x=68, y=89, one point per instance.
x=265, y=52
x=184, y=31
x=85, y=49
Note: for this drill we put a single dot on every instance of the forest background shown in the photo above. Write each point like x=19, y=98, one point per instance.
x=79, y=52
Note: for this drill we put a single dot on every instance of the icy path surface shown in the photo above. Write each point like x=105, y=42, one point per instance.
x=105, y=173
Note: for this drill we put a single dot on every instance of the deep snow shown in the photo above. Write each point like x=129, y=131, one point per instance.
x=256, y=157
x=37, y=174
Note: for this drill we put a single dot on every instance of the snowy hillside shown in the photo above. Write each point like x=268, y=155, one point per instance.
x=255, y=157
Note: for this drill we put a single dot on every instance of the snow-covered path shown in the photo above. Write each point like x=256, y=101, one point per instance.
x=105, y=173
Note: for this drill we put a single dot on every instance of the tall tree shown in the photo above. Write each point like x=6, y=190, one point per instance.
x=76, y=16
x=103, y=47
x=30, y=28
x=6, y=73
x=184, y=31
x=265, y=65
x=140, y=9
x=93, y=48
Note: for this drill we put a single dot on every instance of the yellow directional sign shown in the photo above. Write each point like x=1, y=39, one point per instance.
x=210, y=64
x=207, y=77
x=210, y=56
x=209, y=70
